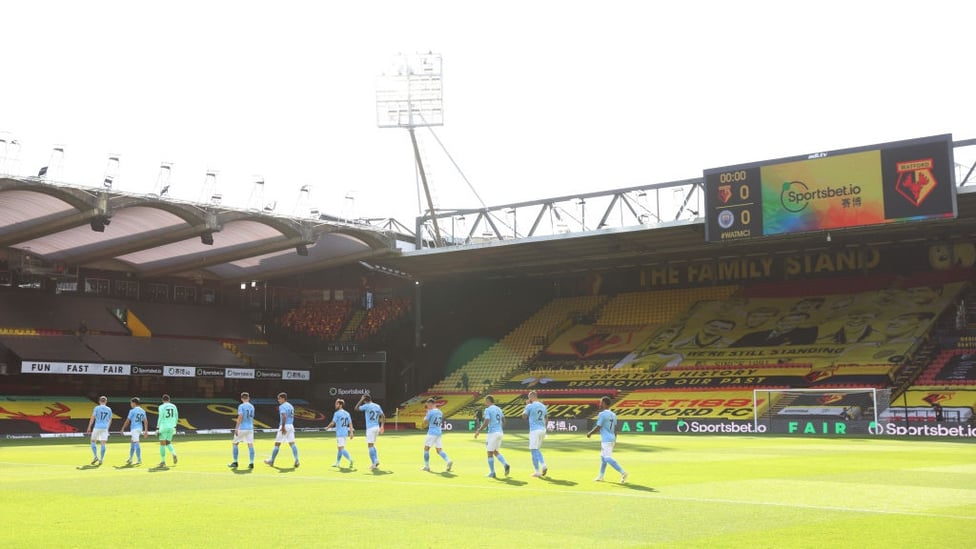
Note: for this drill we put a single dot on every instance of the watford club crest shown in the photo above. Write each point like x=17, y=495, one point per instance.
x=915, y=180
x=725, y=193
x=591, y=344
x=932, y=398
x=829, y=398
x=820, y=374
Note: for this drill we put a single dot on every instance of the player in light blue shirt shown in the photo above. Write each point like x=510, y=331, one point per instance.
x=374, y=426
x=434, y=422
x=244, y=430
x=101, y=419
x=535, y=411
x=606, y=423
x=342, y=422
x=494, y=419
x=138, y=418
x=286, y=429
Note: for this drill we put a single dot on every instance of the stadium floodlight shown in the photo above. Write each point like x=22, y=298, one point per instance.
x=161, y=188
x=208, y=192
x=256, y=200
x=411, y=95
x=111, y=172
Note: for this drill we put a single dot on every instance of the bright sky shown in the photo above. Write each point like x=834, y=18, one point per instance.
x=541, y=98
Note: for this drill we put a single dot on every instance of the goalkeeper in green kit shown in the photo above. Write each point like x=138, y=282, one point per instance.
x=166, y=428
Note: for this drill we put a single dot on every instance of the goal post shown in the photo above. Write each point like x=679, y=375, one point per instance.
x=848, y=403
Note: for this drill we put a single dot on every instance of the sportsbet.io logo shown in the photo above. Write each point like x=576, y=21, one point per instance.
x=796, y=195
x=718, y=428
x=893, y=429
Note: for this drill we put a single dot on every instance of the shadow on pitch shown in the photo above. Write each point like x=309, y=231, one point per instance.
x=87, y=467
x=242, y=471
x=127, y=466
x=511, y=481
x=638, y=487
x=283, y=469
x=444, y=474
x=559, y=482
x=378, y=472
x=158, y=469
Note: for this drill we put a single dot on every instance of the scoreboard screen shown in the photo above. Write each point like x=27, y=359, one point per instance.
x=887, y=183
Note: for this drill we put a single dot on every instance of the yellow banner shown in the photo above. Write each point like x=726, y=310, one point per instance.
x=635, y=374
x=866, y=328
x=51, y=408
x=557, y=407
x=736, y=405
x=449, y=403
x=947, y=398
x=585, y=341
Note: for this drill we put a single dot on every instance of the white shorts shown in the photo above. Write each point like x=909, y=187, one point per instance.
x=372, y=434
x=340, y=442
x=536, y=438
x=493, y=441
x=135, y=434
x=100, y=435
x=433, y=441
x=288, y=436
x=247, y=435
x=606, y=449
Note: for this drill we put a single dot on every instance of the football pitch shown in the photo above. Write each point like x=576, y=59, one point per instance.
x=683, y=491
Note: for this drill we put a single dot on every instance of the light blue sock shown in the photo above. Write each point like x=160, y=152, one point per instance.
x=502, y=459
x=491, y=465
x=542, y=462
x=235, y=453
x=338, y=455
x=443, y=455
x=274, y=454
x=103, y=452
x=294, y=451
x=426, y=459
x=132, y=450
x=138, y=452
x=372, y=455
x=613, y=463
x=535, y=460
x=603, y=466
x=94, y=450
x=250, y=453
x=346, y=454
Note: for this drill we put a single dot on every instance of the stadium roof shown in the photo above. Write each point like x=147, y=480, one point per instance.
x=157, y=237
x=630, y=247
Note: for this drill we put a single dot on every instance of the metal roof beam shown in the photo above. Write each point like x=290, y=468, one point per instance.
x=207, y=259
x=49, y=225
x=80, y=255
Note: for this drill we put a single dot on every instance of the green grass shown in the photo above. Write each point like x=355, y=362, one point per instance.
x=684, y=492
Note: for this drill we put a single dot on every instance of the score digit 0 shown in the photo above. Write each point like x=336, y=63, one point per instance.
x=732, y=177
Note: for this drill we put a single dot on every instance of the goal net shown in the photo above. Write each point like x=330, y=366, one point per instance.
x=849, y=404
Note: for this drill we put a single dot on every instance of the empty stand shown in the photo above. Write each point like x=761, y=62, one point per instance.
x=67, y=313
x=657, y=307
x=509, y=354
